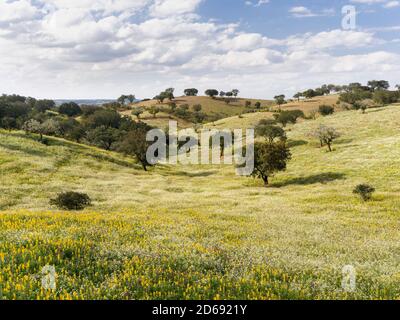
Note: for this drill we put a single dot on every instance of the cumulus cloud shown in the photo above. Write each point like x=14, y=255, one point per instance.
x=89, y=48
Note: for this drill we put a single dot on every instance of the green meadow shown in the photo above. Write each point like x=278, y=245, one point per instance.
x=202, y=232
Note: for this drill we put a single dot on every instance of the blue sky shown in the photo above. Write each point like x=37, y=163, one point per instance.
x=102, y=48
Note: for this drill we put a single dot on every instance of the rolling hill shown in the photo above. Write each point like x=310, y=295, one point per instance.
x=201, y=232
x=225, y=113
x=215, y=108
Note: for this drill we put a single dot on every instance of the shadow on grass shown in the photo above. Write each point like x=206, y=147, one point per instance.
x=296, y=143
x=194, y=174
x=22, y=149
x=313, y=179
x=81, y=149
x=343, y=141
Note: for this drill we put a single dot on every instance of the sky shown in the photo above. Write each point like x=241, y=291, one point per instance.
x=82, y=49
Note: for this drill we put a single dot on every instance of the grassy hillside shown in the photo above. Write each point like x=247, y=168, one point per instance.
x=203, y=232
x=313, y=104
x=228, y=114
x=250, y=120
x=216, y=108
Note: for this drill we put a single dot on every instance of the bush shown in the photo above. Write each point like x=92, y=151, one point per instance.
x=71, y=201
x=326, y=110
x=365, y=191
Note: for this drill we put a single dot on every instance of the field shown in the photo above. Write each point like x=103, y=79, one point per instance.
x=182, y=232
x=216, y=108
x=227, y=113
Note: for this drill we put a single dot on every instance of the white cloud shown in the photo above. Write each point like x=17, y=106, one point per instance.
x=163, y=8
x=17, y=11
x=259, y=3
x=392, y=4
x=388, y=4
x=304, y=12
x=101, y=48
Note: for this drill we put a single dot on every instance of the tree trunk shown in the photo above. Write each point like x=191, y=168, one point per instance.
x=144, y=166
x=266, y=182
x=329, y=147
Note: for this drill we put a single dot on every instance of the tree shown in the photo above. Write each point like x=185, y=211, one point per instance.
x=378, y=85
x=280, y=99
x=169, y=93
x=161, y=97
x=154, y=111
x=112, y=105
x=398, y=87
x=8, y=123
x=44, y=105
x=131, y=98
x=270, y=132
x=310, y=93
x=384, y=97
x=288, y=116
x=326, y=136
x=248, y=104
x=257, y=105
x=331, y=88
x=137, y=112
x=70, y=109
x=229, y=94
x=103, y=137
x=192, y=92
x=269, y=159
x=104, y=117
x=122, y=99
x=135, y=144
x=48, y=127
x=211, y=93
x=354, y=86
x=197, y=108
x=298, y=95
x=326, y=110
x=324, y=90
x=77, y=133
x=222, y=94
x=235, y=92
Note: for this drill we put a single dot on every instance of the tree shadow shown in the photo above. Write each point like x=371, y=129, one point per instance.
x=296, y=143
x=313, y=179
x=343, y=141
x=72, y=146
x=29, y=151
x=195, y=174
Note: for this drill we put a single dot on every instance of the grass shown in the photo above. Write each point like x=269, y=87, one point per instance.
x=212, y=107
x=202, y=232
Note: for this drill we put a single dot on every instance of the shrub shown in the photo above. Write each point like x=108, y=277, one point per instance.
x=365, y=191
x=325, y=110
x=71, y=201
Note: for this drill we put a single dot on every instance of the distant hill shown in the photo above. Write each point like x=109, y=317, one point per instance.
x=214, y=108
x=250, y=120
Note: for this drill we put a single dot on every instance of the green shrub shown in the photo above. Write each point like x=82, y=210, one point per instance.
x=71, y=201
x=365, y=191
x=325, y=110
